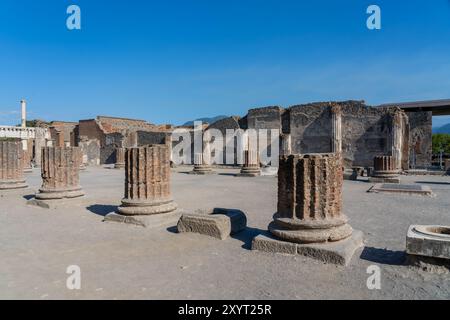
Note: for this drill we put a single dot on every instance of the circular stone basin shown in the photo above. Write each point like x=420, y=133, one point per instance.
x=435, y=231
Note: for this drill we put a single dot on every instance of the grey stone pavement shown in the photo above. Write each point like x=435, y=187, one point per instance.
x=129, y=262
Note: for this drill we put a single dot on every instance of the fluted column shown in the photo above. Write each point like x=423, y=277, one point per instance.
x=251, y=166
x=310, y=199
x=147, y=181
x=286, y=145
x=120, y=158
x=385, y=166
x=397, y=138
x=336, y=120
x=11, y=165
x=60, y=173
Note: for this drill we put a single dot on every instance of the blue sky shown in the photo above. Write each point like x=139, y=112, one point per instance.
x=173, y=61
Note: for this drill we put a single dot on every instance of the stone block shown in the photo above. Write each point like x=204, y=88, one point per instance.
x=430, y=241
x=339, y=252
x=220, y=224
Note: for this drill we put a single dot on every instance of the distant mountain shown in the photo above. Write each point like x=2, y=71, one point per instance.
x=206, y=120
x=443, y=129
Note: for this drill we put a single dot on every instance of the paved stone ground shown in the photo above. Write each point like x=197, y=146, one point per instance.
x=126, y=262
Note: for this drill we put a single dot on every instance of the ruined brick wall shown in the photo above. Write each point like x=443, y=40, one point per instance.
x=222, y=125
x=420, y=135
x=90, y=140
x=108, y=150
x=310, y=128
x=145, y=138
x=266, y=118
x=64, y=133
x=366, y=133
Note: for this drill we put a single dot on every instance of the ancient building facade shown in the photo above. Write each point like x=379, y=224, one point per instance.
x=358, y=131
x=99, y=138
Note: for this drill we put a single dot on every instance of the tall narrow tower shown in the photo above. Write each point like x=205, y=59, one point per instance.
x=23, y=104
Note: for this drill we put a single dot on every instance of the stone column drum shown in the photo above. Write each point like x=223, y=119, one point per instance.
x=27, y=168
x=147, y=181
x=60, y=173
x=251, y=166
x=201, y=165
x=310, y=200
x=120, y=158
x=11, y=165
x=385, y=170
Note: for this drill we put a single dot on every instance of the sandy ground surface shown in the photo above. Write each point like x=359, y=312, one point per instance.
x=126, y=262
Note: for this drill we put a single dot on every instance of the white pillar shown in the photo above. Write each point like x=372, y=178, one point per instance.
x=336, y=119
x=23, y=104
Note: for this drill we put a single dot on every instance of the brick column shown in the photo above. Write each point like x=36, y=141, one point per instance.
x=147, y=181
x=120, y=158
x=60, y=173
x=385, y=170
x=310, y=199
x=11, y=165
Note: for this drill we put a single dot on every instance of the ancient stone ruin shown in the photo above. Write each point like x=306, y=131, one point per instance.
x=120, y=158
x=309, y=210
x=11, y=165
x=201, y=165
x=60, y=173
x=310, y=200
x=385, y=170
x=147, y=187
x=429, y=246
x=251, y=167
x=26, y=157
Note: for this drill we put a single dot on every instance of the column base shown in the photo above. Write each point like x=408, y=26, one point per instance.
x=316, y=231
x=13, y=184
x=202, y=170
x=137, y=207
x=58, y=194
x=27, y=170
x=339, y=252
x=146, y=221
x=249, y=172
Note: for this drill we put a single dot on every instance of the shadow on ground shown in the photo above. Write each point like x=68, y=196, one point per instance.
x=227, y=174
x=383, y=256
x=102, y=209
x=247, y=235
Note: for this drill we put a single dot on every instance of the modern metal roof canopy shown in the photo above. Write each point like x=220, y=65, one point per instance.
x=438, y=107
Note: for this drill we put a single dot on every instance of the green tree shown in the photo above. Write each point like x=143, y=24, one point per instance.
x=441, y=142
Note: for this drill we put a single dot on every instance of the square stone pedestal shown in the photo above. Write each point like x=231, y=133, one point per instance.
x=384, y=180
x=59, y=203
x=146, y=221
x=402, y=188
x=339, y=252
